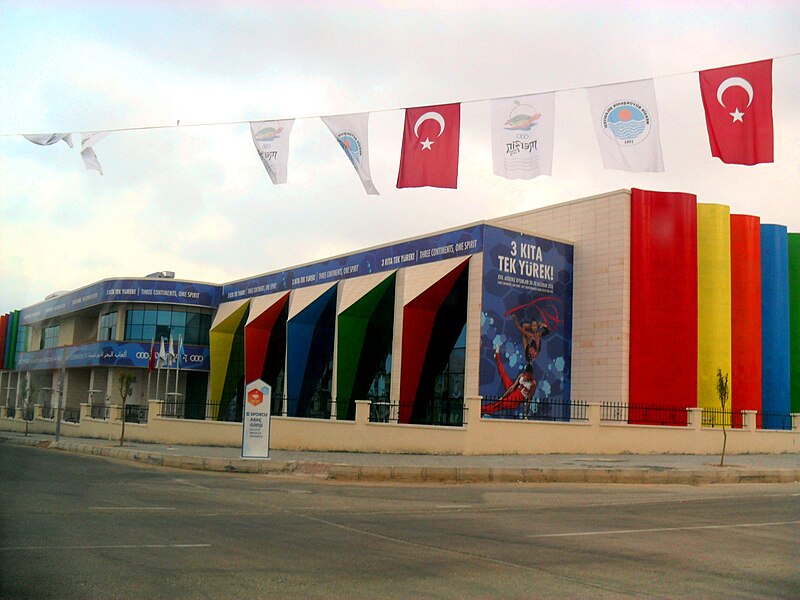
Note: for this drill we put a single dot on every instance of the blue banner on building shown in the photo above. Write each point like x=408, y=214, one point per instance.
x=526, y=326
x=451, y=244
x=108, y=354
x=125, y=290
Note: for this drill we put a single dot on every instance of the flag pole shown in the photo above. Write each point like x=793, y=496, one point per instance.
x=150, y=363
x=158, y=375
x=180, y=358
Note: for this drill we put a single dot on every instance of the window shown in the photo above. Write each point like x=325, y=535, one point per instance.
x=145, y=324
x=107, y=329
x=49, y=337
x=22, y=338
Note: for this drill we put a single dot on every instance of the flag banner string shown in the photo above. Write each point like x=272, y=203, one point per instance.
x=382, y=110
x=737, y=101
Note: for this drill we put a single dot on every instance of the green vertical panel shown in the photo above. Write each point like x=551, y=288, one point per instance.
x=794, y=319
x=12, y=359
x=354, y=325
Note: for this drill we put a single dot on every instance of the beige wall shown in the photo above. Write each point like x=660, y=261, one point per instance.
x=477, y=437
x=600, y=228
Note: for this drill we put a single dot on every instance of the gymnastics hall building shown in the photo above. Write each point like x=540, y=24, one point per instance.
x=603, y=325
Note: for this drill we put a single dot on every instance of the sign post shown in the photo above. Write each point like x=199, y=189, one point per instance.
x=256, y=420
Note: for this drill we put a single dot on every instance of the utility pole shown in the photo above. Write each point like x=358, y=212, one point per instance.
x=61, y=392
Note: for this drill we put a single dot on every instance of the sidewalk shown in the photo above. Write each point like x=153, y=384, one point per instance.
x=561, y=468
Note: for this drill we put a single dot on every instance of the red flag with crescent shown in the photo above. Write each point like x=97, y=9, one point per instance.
x=429, y=156
x=738, y=106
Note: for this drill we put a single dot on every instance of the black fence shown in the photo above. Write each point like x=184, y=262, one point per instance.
x=48, y=412
x=774, y=421
x=135, y=413
x=72, y=415
x=441, y=412
x=642, y=414
x=547, y=409
x=99, y=412
x=27, y=414
x=11, y=412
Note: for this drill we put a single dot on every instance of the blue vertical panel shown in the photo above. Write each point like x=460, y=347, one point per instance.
x=775, y=378
x=308, y=345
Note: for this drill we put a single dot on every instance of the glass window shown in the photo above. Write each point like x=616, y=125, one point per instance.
x=49, y=337
x=149, y=317
x=159, y=321
x=107, y=328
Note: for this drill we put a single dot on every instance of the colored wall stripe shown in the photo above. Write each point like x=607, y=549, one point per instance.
x=775, y=378
x=713, y=301
x=364, y=336
x=3, y=334
x=309, y=349
x=257, y=334
x=794, y=318
x=419, y=317
x=220, y=343
x=745, y=380
x=12, y=347
x=663, y=339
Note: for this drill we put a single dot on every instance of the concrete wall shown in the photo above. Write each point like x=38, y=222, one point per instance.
x=600, y=227
x=477, y=437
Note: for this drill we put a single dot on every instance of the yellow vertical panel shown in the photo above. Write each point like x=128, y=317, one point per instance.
x=713, y=301
x=220, y=340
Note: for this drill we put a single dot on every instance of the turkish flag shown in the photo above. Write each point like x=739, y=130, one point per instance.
x=738, y=105
x=430, y=147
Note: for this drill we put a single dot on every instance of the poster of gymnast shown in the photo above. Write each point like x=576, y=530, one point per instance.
x=526, y=326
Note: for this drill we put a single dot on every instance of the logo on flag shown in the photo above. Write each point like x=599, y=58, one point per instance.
x=522, y=136
x=271, y=139
x=429, y=156
x=738, y=106
x=626, y=121
x=351, y=131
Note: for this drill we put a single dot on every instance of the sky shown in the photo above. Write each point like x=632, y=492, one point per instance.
x=196, y=199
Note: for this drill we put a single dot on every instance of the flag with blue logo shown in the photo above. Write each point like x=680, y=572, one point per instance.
x=351, y=133
x=625, y=118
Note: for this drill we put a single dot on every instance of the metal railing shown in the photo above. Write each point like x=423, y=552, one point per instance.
x=641, y=414
x=11, y=412
x=27, y=415
x=547, y=409
x=774, y=421
x=135, y=413
x=99, y=412
x=441, y=412
x=72, y=415
x=48, y=412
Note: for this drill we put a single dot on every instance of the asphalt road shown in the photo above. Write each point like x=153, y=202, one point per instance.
x=75, y=526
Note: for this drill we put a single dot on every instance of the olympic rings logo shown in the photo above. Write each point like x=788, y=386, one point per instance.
x=196, y=358
x=143, y=355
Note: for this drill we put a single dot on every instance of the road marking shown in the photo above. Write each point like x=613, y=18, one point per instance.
x=105, y=547
x=660, y=529
x=441, y=506
x=131, y=508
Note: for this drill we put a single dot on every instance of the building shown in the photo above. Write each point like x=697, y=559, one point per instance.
x=627, y=303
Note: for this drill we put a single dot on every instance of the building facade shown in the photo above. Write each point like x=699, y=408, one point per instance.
x=633, y=301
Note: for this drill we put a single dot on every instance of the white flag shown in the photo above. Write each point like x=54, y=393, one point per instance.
x=522, y=136
x=88, y=140
x=171, y=352
x=49, y=139
x=625, y=119
x=351, y=133
x=272, y=143
x=162, y=356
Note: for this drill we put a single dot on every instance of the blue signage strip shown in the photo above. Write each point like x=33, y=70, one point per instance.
x=462, y=242
x=108, y=354
x=125, y=290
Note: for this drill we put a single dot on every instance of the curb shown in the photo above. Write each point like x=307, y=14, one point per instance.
x=407, y=474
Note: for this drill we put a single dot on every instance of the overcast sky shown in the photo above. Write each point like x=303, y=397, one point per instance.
x=197, y=201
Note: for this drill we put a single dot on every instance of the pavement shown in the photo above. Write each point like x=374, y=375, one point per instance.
x=420, y=468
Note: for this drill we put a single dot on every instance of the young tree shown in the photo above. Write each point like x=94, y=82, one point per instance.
x=126, y=382
x=722, y=394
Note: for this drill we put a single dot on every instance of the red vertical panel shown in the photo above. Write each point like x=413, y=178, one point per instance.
x=3, y=332
x=256, y=339
x=663, y=350
x=419, y=316
x=746, y=315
